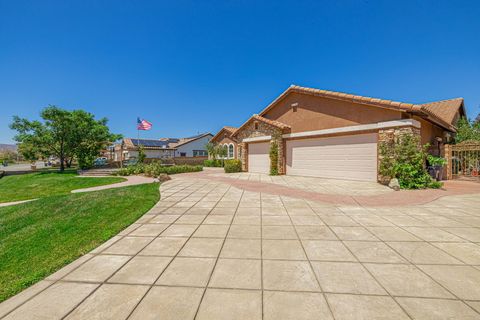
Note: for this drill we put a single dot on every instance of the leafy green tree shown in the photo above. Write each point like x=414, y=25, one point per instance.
x=467, y=130
x=30, y=152
x=89, y=137
x=141, y=154
x=211, y=149
x=65, y=134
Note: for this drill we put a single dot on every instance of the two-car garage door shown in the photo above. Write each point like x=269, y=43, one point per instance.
x=351, y=157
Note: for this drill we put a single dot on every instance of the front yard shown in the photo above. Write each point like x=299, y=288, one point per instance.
x=40, y=237
x=42, y=184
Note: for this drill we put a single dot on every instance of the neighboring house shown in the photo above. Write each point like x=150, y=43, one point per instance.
x=163, y=148
x=330, y=134
x=224, y=138
x=192, y=146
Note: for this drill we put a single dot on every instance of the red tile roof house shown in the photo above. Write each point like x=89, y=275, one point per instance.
x=164, y=147
x=335, y=135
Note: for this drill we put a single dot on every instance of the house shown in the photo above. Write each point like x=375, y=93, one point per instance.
x=224, y=138
x=164, y=147
x=329, y=134
x=192, y=146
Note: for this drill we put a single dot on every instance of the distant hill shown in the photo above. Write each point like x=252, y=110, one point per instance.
x=11, y=147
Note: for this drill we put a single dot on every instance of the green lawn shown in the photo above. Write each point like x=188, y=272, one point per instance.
x=42, y=184
x=37, y=238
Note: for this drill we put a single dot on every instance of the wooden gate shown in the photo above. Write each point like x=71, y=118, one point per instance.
x=463, y=160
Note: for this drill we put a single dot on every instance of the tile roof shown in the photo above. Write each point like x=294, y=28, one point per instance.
x=441, y=112
x=444, y=109
x=183, y=141
x=228, y=129
x=274, y=123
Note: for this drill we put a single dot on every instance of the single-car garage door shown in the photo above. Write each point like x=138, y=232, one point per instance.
x=351, y=157
x=258, y=157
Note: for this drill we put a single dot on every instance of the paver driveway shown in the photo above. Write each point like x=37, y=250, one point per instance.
x=208, y=250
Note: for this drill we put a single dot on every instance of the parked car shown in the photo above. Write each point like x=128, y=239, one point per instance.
x=100, y=161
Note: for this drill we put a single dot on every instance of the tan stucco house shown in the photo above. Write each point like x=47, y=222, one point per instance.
x=330, y=134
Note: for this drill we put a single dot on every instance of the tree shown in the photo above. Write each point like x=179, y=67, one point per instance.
x=467, y=130
x=211, y=149
x=89, y=137
x=64, y=134
x=141, y=154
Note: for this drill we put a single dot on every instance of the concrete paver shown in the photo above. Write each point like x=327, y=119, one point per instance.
x=210, y=250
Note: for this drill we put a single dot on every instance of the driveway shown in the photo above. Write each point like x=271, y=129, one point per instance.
x=212, y=250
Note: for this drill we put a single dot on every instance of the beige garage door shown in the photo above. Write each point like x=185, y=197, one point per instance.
x=258, y=158
x=346, y=157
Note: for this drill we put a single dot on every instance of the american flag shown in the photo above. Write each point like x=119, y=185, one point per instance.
x=143, y=124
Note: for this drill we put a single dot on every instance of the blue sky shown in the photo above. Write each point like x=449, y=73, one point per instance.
x=194, y=66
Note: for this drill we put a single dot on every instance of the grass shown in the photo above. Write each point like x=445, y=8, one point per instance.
x=43, y=184
x=38, y=238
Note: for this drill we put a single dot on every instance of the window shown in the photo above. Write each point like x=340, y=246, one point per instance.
x=255, y=125
x=200, y=153
x=183, y=154
x=231, y=153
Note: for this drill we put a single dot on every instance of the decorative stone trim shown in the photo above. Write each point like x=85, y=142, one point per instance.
x=262, y=132
x=388, y=137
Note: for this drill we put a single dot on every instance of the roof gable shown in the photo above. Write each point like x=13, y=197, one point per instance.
x=445, y=109
x=227, y=130
x=270, y=122
x=185, y=141
x=440, y=112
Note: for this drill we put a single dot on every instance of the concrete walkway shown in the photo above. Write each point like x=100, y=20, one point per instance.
x=131, y=181
x=211, y=250
x=6, y=204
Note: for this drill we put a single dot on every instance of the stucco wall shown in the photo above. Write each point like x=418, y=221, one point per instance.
x=429, y=131
x=188, y=148
x=316, y=113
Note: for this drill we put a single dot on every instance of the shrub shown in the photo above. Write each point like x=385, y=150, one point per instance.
x=141, y=154
x=233, y=165
x=212, y=163
x=273, y=158
x=436, y=161
x=155, y=169
x=405, y=159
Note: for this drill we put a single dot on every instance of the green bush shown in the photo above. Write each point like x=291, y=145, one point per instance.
x=274, y=158
x=436, y=161
x=212, y=163
x=154, y=169
x=141, y=154
x=405, y=159
x=233, y=165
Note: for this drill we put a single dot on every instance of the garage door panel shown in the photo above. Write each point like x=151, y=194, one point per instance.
x=348, y=157
x=258, y=157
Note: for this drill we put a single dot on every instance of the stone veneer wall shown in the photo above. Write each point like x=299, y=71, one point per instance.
x=263, y=130
x=389, y=136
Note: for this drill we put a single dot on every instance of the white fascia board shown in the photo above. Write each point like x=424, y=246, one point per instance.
x=362, y=127
x=257, y=139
